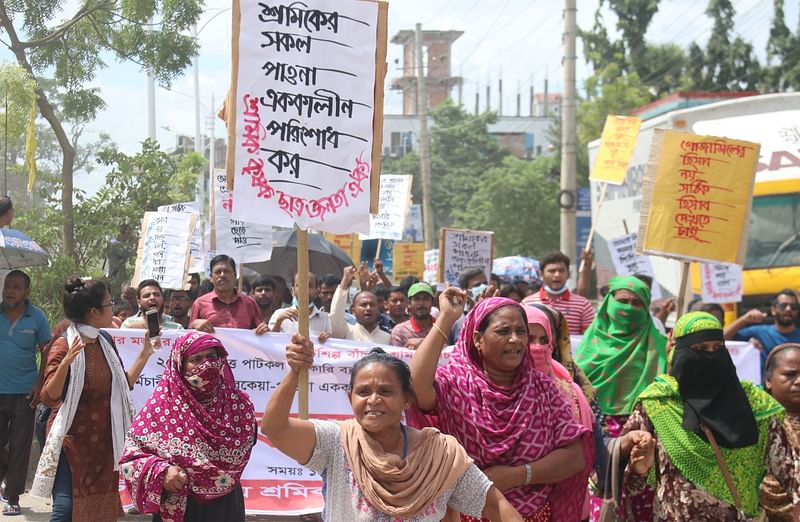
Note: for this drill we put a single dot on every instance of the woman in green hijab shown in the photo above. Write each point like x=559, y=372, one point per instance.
x=622, y=352
x=701, y=409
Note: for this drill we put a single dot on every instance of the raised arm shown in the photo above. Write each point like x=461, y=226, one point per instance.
x=339, y=328
x=426, y=358
x=293, y=437
x=754, y=316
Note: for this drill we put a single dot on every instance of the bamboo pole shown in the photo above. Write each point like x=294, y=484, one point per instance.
x=682, y=293
x=595, y=220
x=302, y=313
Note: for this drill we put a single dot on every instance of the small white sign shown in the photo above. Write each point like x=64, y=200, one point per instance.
x=431, y=266
x=197, y=263
x=721, y=282
x=393, y=202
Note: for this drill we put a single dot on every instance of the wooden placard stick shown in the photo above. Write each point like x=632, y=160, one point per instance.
x=595, y=220
x=682, y=293
x=381, y=67
x=302, y=313
x=241, y=277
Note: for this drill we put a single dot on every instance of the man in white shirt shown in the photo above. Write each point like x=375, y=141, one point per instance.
x=285, y=319
x=365, y=308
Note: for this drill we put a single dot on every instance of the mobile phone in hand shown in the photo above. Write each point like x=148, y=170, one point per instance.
x=153, y=327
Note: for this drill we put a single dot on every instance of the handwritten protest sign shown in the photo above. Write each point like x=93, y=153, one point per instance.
x=163, y=252
x=616, y=148
x=306, y=112
x=409, y=260
x=721, y=282
x=461, y=249
x=197, y=263
x=245, y=242
x=431, y=259
x=697, y=195
x=627, y=262
x=393, y=202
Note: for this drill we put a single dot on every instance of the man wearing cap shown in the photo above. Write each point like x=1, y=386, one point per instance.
x=410, y=334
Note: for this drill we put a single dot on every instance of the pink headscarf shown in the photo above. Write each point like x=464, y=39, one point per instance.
x=570, y=390
x=509, y=425
x=211, y=443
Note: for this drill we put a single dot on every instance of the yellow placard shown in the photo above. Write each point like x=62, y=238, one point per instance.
x=408, y=259
x=616, y=149
x=350, y=243
x=697, y=195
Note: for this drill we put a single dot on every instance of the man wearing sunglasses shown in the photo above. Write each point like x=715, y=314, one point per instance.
x=785, y=309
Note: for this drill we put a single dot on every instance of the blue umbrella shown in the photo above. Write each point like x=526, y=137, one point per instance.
x=516, y=267
x=19, y=251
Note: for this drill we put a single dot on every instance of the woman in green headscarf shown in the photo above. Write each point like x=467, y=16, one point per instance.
x=700, y=404
x=622, y=352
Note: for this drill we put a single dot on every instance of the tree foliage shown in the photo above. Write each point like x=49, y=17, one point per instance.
x=461, y=151
x=728, y=62
x=517, y=199
x=72, y=47
x=783, y=55
x=134, y=185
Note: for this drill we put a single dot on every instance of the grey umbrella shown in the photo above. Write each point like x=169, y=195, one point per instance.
x=324, y=257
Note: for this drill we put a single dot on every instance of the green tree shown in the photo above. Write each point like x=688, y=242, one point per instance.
x=16, y=93
x=609, y=93
x=72, y=48
x=461, y=151
x=728, y=62
x=783, y=54
x=517, y=200
x=134, y=184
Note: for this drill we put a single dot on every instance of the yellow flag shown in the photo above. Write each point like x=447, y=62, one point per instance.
x=30, y=146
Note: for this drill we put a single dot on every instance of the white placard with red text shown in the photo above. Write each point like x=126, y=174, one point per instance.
x=721, y=282
x=304, y=103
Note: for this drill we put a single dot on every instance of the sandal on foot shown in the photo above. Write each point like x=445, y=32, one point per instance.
x=11, y=509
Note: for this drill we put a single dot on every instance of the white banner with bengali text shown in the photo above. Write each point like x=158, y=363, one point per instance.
x=272, y=482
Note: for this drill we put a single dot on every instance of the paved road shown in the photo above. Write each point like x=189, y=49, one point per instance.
x=38, y=510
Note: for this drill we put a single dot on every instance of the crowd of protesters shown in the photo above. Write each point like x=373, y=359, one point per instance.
x=511, y=428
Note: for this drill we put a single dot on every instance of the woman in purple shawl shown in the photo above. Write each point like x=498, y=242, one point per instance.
x=511, y=419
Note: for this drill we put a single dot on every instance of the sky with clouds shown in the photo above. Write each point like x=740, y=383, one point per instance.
x=518, y=40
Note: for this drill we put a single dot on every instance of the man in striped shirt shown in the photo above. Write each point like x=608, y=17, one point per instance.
x=577, y=309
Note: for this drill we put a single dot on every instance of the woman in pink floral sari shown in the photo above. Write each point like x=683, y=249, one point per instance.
x=512, y=420
x=187, y=447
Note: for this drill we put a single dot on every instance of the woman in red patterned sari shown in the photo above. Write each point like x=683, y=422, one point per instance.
x=186, y=449
x=512, y=420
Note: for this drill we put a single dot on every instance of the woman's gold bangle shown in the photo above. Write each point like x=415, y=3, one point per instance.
x=441, y=332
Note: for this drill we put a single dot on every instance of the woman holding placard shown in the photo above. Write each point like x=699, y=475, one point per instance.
x=511, y=419
x=374, y=466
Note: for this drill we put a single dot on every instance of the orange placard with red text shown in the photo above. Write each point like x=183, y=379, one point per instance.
x=697, y=195
x=616, y=148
